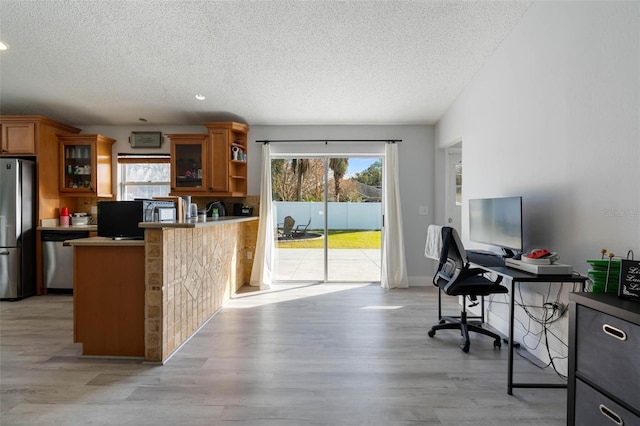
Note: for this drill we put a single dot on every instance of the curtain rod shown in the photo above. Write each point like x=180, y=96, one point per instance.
x=326, y=141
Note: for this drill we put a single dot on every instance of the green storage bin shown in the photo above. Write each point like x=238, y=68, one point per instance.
x=603, y=264
x=598, y=274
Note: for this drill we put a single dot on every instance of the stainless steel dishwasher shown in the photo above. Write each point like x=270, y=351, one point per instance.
x=57, y=260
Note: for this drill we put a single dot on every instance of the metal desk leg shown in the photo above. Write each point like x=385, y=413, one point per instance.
x=511, y=338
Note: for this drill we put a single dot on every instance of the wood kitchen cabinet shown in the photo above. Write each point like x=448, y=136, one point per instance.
x=37, y=136
x=85, y=165
x=228, y=143
x=30, y=134
x=211, y=164
x=19, y=138
x=189, y=165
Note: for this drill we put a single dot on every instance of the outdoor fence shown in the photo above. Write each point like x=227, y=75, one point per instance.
x=364, y=216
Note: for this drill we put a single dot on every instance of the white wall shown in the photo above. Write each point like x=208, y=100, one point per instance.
x=416, y=158
x=554, y=116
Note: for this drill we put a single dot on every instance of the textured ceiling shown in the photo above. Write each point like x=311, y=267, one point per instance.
x=263, y=62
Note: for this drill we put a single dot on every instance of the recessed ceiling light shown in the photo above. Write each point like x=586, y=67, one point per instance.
x=3, y=45
x=200, y=97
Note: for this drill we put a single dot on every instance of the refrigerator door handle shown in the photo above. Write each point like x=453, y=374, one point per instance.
x=4, y=253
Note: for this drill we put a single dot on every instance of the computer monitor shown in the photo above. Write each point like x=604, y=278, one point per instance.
x=120, y=219
x=498, y=222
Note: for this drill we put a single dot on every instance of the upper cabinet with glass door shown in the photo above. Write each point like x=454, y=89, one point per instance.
x=188, y=165
x=85, y=165
x=212, y=164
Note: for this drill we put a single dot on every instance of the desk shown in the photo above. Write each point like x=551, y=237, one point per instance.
x=517, y=276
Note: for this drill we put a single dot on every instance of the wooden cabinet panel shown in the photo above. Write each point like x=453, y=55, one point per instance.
x=18, y=138
x=108, y=300
x=229, y=147
x=219, y=177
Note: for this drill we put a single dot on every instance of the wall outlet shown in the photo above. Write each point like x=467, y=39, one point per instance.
x=94, y=209
x=539, y=301
x=423, y=210
x=249, y=255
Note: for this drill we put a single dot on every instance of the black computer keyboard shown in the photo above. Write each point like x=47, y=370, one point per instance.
x=485, y=258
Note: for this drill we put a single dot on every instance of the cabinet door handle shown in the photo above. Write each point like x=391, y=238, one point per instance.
x=614, y=332
x=611, y=415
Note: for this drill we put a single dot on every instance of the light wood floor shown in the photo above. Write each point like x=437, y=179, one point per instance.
x=334, y=354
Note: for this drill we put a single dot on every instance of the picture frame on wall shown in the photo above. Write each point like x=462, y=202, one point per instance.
x=145, y=139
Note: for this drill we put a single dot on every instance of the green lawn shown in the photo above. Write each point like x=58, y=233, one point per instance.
x=339, y=239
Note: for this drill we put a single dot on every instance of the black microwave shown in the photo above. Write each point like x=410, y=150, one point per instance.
x=120, y=219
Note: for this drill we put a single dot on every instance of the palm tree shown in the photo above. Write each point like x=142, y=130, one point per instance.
x=339, y=167
x=300, y=168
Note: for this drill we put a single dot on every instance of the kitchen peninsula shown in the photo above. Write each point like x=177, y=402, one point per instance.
x=146, y=298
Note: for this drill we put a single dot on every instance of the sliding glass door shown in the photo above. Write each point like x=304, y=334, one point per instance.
x=298, y=207
x=329, y=216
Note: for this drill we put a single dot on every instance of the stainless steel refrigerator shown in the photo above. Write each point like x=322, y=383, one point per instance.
x=17, y=228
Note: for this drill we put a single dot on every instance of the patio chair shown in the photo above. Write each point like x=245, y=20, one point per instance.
x=302, y=229
x=285, y=230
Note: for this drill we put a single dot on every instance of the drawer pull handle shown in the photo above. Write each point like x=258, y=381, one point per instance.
x=611, y=415
x=614, y=332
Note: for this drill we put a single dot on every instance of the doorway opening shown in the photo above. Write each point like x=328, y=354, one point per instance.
x=328, y=211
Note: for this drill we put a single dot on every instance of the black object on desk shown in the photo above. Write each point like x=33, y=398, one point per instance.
x=517, y=276
x=485, y=258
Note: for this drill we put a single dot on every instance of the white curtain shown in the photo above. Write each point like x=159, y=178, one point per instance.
x=394, y=267
x=263, y=259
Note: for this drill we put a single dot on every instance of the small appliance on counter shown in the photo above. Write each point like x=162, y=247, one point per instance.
x=216, y=205
x=119, y=219
x=80, y=219
x=241, y=210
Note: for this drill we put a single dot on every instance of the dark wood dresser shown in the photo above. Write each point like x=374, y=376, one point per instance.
x=604, y=360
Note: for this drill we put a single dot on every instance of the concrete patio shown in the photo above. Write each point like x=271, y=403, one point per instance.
x=345, y=265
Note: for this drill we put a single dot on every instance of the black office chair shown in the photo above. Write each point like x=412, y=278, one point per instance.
x=456, y=278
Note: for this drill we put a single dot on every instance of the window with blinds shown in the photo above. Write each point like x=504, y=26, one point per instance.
x=143, y=176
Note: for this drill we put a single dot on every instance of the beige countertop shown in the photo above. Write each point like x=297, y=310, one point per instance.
x=69, y=228
x=195, y=224
x=103, y=241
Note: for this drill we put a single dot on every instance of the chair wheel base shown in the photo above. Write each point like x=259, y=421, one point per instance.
x=431, y=333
